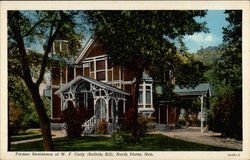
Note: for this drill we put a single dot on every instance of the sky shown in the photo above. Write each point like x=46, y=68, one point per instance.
x=215, y=21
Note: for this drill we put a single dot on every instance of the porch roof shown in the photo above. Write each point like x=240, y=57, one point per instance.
x=200, y=89
x=92, y=81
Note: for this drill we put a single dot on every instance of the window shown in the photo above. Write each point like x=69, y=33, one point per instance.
x=100, y=75
x=148, y=95
x=98, y=69
x=140, y=97
x=145, y=95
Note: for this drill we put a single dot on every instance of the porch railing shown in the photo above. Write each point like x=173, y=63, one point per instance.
x=90, y=125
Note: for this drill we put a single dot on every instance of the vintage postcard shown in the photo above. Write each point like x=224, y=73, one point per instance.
x=125, y=80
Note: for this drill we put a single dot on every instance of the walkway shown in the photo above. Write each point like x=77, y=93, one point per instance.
x=55, y=134
x=193, y=134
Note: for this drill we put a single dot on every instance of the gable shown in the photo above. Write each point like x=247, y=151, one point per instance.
x=92, y=49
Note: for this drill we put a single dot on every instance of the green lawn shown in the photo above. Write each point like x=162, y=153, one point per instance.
x=31, y=134
x=151, y=142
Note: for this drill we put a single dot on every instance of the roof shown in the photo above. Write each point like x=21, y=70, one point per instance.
x=200, y=89
x=146, y=77
x=92, y=81
x=85, y=49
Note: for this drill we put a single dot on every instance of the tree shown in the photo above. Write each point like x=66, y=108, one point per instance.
x=24, y=29
x=209, y=55
x=143, y=41
x=226, y=76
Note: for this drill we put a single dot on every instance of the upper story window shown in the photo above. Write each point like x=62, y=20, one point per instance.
x=60, y=46
x=145, y=99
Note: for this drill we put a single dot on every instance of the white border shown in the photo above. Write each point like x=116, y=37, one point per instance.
x=129, y=5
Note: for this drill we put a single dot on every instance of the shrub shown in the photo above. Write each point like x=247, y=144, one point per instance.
x=127, y=126
x=122, y=137
x=226, y=116
x=196, y=123
x=74, y=118
x=16, y=117
x=182, y=122
x=102, y=127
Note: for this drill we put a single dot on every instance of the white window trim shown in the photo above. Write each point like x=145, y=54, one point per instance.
x=144, y=90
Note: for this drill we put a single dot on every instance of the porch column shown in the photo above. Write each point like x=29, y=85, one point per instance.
x=124, y=106
x=95, y=105
x=116, y=108
x=201, y=97
x=112, y=111
x=107, y=110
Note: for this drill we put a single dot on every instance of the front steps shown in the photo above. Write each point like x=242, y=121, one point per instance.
x=160, y=127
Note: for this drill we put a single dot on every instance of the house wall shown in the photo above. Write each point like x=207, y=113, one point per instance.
x=97, y=65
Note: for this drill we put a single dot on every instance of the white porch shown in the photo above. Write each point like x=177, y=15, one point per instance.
x=88, y=92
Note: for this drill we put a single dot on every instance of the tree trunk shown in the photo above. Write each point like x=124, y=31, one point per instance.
x=42, y=116
x=135, y=95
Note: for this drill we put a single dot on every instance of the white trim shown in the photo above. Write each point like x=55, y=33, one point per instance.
x=106, y=69
x=94, y=68
x=96, y=57
x=84, y=50
x=74, y=72
x=78, y=78
x=66, y=74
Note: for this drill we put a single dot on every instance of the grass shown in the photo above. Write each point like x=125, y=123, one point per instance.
x=31, y=134
x=151, y=142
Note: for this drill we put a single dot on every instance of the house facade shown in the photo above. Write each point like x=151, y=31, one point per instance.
x=94, y=83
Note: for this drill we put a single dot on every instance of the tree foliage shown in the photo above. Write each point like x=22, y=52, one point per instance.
x=32, y=29
x=226, y=77
x=141, y=41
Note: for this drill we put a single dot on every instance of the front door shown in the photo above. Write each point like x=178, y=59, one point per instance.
x=163, y=114
x=100, y=109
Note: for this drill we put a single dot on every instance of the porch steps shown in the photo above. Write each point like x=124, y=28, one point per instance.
x=90, y=125
x=159, y=127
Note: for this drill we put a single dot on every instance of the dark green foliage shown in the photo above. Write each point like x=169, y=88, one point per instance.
x=121, y=137
x=124, y=134
x=210, y=54
x=27, y=29
x=143, y=41
x=74, y=119
x=226, y=116
x=154, y=142
x=226, y=77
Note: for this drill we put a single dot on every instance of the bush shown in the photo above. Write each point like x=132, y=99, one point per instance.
x=102, y=127
x=122, y=137
x=16, y=117
x=182, y=122
x=74, y=118
x=127, y=126
x=226, y=116
x=196, y=123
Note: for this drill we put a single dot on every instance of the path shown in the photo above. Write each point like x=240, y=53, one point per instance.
x=193, y=134
x=55, y=134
